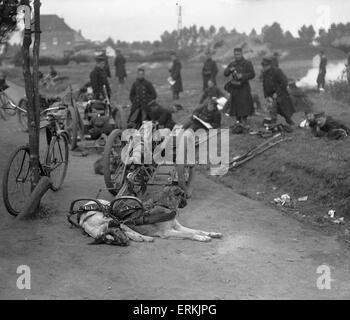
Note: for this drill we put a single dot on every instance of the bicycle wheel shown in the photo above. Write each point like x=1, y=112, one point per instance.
x=71, y=126
x=114, y=169
x=2, y=113
x=57, y=160
x=22, y=116
x=16, y=182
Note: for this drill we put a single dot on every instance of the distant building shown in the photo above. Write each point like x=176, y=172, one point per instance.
x=57, y=38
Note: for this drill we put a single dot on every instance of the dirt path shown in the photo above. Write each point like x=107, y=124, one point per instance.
x=263, y=254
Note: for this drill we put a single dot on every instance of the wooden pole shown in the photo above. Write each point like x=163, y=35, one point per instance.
x=32, y=90
x=34, y=147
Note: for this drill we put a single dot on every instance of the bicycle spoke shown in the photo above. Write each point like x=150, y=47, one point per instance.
x=19, y=181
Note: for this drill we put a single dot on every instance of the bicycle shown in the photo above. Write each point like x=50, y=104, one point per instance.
x=18, y=173
x=119, y=175
x=9, y=109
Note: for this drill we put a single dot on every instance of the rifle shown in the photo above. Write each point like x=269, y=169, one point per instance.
x=268, y=144
x=107, y=101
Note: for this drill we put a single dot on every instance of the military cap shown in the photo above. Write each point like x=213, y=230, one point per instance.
x=238, y=49
x=320, y=115
x=100, y=57
x=266, y=61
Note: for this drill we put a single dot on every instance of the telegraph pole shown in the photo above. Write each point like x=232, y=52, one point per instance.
x=179, y=24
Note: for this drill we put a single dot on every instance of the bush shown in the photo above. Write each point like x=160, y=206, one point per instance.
x=80, y=58
x=43, y=61
x=340, y=90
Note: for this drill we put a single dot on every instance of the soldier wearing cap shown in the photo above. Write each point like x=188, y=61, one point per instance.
x=107, y=69
x=241, y=72
x=275, y=62
x=207, y=112
x=159, y=114
x=209, y=71
x=120, y=70
x=275, y=85
x=325, y=126
x=141, y=94
x=98, y=79
x=175, y=74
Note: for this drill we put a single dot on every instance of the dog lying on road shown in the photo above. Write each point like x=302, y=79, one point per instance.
x=153, y=218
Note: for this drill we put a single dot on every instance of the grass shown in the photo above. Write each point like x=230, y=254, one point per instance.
x=304, y=166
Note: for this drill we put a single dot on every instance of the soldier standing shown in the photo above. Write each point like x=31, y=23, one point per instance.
x=275, y=85
x=141, y=94
x=321, y=79
x=98, y=79
x=209, y=71
x=120, y=71
x=275, y=60
x=241, y=100
x=175, y=74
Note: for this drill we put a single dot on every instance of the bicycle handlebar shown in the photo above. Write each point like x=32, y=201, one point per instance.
x=53, y=109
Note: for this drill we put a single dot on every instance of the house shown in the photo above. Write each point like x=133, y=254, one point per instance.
x=57, y=38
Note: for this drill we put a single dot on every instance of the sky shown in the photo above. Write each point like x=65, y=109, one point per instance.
x=138, y=20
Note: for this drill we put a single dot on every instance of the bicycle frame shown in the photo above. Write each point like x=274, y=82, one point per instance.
x=9, y=104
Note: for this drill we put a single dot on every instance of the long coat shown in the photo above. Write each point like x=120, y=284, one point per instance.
x=142, y=92
x=175, y=73
x=98, y=79
x=209, y=72
x=241, y=100
x=211, y=93
x=276, y=82
x=119, y=63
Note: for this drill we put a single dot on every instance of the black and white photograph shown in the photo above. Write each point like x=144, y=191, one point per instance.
x=163, y=150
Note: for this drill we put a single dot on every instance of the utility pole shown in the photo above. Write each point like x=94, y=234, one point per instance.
x=179, y=25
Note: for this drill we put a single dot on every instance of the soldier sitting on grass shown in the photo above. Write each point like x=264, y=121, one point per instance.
x=212, y=91
x=325, y=126
x=208, y=112
x=162, y=116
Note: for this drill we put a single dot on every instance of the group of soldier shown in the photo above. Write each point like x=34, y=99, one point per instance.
x=241, y=100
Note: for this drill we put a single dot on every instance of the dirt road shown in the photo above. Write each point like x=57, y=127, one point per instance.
x=263, y=255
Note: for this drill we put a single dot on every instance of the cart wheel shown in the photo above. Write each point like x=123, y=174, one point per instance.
x=22, y=116
x=71, y=126
x=113, y=167
x=120, y=117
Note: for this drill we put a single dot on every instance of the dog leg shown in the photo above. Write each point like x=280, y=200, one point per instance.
x=135, y=236
x=213, y=235
x=182, y=235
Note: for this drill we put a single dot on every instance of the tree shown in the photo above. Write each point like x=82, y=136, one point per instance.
x=109, y=42
x=273, y=34
x=212, y=31
x=222, y=31
x=288, y=38
x=253, y=33
x=8, y=22
x=307, y=34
